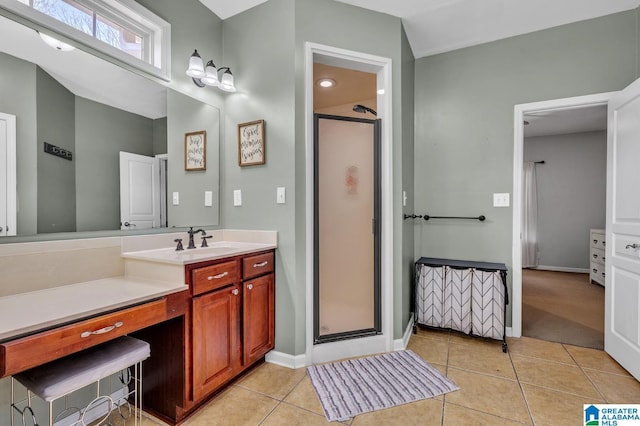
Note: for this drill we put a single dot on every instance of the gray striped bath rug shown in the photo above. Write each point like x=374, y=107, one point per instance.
x=356, y=386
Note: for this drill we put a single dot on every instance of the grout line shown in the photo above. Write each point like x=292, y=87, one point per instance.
x=586, y=375
x=524, y=397
x=487, y=414
x=269, y=413
x=446, y=373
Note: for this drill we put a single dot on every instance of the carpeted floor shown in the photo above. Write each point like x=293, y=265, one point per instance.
x=562, y=307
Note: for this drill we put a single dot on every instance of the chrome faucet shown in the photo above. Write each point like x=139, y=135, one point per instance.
x=191, y=233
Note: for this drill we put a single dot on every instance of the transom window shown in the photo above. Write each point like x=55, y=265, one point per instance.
x=121, y=28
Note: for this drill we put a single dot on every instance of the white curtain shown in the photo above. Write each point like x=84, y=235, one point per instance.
x=529, y=216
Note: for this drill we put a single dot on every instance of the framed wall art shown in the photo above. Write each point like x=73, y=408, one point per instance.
x=251, y=143
x=195, y=150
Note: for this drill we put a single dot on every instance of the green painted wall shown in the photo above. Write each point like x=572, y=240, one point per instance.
x=259, y=48
x=403, y=302
x=186, y=115
x=343, y=26
x=265, y=48
x=464, y=123
x=56, y=176
x=18, y=97
x=101, y=133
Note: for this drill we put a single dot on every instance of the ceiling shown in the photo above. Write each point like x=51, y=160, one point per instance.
x=437, y=26
x=85, y=75
x=560, y=122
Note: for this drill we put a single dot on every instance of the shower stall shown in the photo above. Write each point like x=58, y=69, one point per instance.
x=347, y=228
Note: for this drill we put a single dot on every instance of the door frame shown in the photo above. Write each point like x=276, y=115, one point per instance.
x=12, y=182
x=518, y=157
x=380, y=66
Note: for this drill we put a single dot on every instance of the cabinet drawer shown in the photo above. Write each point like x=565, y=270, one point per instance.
x=253, y=266
x=597, y=256
x=27, y=352
x=215, y=276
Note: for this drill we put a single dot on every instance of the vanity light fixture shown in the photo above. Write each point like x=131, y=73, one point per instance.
x=55, y=43
x=209, y=75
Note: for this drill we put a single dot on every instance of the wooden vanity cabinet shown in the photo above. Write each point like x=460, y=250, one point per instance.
x=216, y=339
x=258, y=317
x=233, y=318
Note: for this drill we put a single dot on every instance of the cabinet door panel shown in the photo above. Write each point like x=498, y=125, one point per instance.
x=216, y=339
x=259, y=317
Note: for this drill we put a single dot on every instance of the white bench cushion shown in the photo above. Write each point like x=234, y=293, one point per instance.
x=60, y=377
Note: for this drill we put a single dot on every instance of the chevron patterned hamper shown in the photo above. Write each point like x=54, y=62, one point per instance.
x=465, y=296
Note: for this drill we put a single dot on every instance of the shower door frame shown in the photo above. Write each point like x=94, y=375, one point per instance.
x=376, y=229
x=383, y=342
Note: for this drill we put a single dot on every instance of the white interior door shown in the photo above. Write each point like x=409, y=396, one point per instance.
x=139, y=191
x=8, y=210
x=622, y=278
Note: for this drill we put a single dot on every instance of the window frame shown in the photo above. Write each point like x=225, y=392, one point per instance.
x=155, y=31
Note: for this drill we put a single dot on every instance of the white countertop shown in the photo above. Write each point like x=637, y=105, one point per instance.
x=216, y=250
x=28, y=312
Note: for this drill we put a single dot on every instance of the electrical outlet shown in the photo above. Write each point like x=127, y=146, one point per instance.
x=176, y=198
x=237, y=197
x=280, y=195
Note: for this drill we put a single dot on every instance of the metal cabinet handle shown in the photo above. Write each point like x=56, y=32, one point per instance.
x=261, y=264
x=0, y=228
x=594, y=270
x=633, y=246
x=595, y=241
x=217, y=277
x=102, y=330
x=249, y=286
x=127, y=224
x=595, y=256
x=235, y=291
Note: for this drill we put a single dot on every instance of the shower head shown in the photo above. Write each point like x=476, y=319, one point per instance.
x=363, y=109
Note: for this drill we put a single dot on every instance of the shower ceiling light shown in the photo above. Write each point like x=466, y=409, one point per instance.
x=208, y=76
x=326, y=82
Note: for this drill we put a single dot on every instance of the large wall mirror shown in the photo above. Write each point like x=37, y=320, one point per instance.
x=86, y=112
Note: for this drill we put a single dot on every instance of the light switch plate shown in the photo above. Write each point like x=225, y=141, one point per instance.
x=208, y=198
x=237, y=197
x=501, y=199
x=280, y=195
x=176, y=198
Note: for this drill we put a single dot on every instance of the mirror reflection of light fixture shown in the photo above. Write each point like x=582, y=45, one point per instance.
x=55, y=43
x=208, y=75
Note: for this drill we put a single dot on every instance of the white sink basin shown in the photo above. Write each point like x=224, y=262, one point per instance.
x=216, y=250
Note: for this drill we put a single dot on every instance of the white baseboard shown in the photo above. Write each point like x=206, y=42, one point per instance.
x=561, y=269
x=401, y=344
x=285, y=360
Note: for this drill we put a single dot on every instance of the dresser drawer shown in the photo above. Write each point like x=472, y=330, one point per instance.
x=597, y=241
x=30, y=351
x=597, y=256
x=215, y=276
x=597, y=273
x=260, y=264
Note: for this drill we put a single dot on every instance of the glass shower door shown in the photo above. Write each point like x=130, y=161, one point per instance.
x=347, y=289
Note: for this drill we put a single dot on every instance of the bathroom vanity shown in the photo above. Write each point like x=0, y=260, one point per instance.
x=230, y=325
x=208, y=314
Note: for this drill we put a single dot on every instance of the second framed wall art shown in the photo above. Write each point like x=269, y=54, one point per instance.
x=251, y=143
